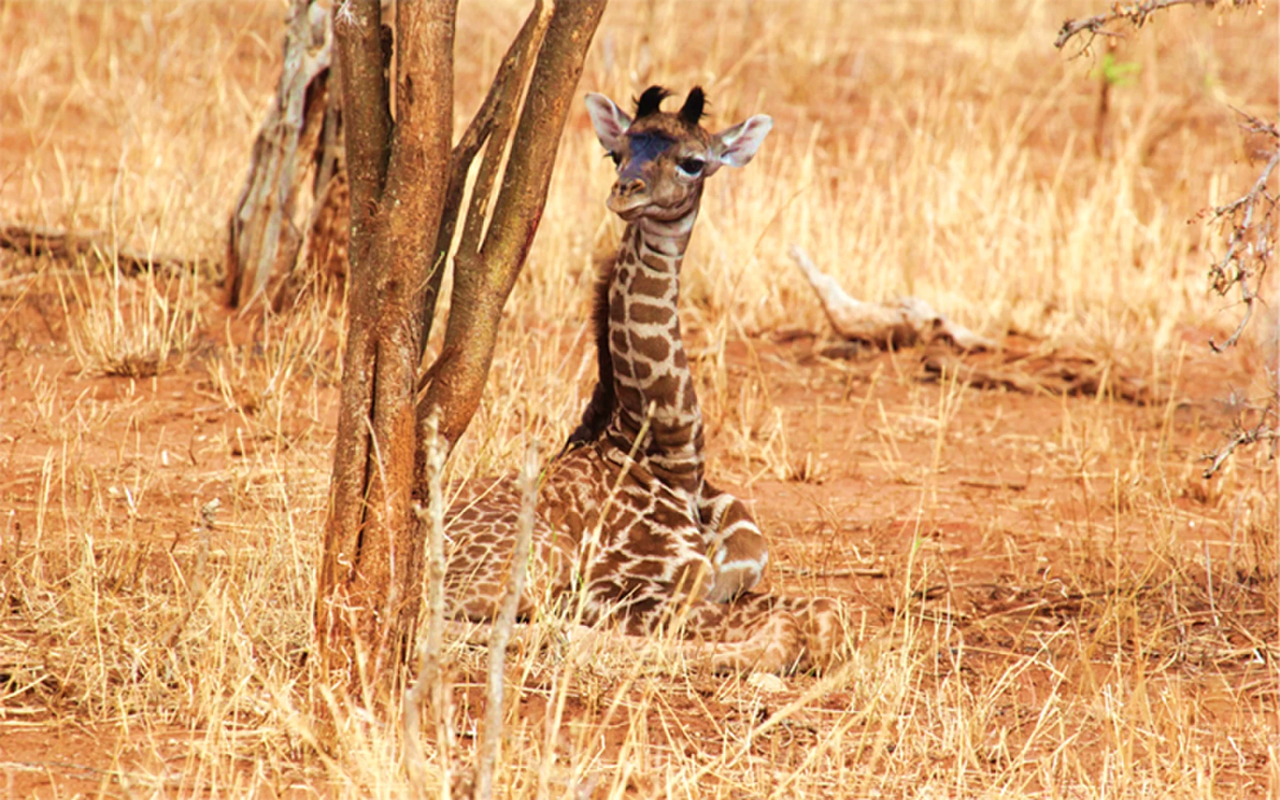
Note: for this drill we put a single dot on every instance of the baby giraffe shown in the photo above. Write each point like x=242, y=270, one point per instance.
x=625, y=514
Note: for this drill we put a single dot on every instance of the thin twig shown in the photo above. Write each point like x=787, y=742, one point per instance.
x=1135, y=13
x=491, y=737
x=1259, y=433
x=1260, y=252
x=196, y=583
x=851, y=572
x=977, y=483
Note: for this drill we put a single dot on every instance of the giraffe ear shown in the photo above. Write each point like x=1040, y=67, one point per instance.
x=610, y=122
x=738, y=144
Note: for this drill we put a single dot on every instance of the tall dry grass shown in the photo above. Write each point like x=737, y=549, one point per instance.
x=938, y=149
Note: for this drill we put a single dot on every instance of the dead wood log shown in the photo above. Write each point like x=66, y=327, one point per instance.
x=905, y=322
x=981, y=362
x=35, y=240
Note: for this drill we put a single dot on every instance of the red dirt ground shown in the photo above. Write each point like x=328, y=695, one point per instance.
x=995, y=520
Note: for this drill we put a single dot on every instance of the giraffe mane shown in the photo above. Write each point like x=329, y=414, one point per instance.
x=595, y=417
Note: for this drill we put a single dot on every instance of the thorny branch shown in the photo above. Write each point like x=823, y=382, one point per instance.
x=1257, y=238
x=1250, y=222
x=1135, y=13
x=1262, y=432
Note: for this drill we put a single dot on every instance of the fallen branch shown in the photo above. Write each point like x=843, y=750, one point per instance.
x=982, y=363
x=978, y=483
x=35, y=240
x=1060, y=371
x=904, y=322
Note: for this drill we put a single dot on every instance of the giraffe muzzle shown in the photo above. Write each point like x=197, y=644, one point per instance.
x=628, y=196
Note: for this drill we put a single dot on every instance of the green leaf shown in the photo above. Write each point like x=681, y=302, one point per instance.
x=1117, y=73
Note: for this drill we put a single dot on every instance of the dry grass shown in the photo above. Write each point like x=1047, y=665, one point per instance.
x=131, y=327
x=1048, y=600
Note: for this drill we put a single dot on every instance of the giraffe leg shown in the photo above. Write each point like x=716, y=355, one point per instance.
x=759, y=633
x=770, y=634
x=735, y=545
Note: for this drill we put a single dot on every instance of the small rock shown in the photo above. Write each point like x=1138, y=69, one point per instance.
x=766, y=682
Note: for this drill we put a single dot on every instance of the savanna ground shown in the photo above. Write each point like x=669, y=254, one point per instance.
x=1048, y=598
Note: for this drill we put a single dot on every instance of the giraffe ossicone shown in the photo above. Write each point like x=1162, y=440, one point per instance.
x=625, y=514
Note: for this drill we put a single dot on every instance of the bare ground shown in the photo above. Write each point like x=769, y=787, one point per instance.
x=1044, y=548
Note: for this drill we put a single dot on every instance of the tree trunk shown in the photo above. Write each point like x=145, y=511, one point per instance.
x=371, y=572
x=406, y=188
x=299, y=139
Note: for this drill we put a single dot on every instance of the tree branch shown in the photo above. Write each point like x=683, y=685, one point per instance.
x=1261, y=432
x=503, y=122
x=511, y=72
x=1259, y=250
x=480, y=293
x=357, y=30
x=1135, y=13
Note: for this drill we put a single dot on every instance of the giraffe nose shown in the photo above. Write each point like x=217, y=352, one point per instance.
x=626, y=187
x=628, y=194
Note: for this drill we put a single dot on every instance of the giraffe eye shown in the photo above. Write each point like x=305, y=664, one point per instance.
x=691, y=166
x=617, y=159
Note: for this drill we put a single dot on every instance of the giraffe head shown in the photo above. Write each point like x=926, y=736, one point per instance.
x=663, y=158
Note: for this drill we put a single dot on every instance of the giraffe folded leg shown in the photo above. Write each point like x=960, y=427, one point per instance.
x=758, y=633
x=771, y=634
x=736, y=547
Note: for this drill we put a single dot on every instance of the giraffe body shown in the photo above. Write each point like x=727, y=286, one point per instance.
x=625, y=513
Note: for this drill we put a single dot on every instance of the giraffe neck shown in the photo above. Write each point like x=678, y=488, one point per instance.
x=649, y=365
